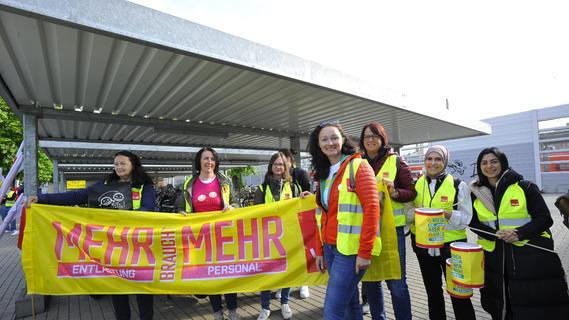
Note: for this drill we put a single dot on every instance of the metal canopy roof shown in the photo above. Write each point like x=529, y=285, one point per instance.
x=115, y=72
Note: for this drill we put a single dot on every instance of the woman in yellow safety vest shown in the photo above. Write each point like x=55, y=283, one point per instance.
x=277, y=186
x=348, y=216
x=127, y=168
x=391, y=169
x=521, y=281
x=209, y=190
x=438, y=189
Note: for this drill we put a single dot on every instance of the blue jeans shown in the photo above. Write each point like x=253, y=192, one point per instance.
x=399, y=290
x=266, y=297
x=342, y=299
x=4, y=211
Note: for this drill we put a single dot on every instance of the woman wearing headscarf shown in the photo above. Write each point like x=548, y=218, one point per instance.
x=521, y=281
x=438, y=189
x=389, y=167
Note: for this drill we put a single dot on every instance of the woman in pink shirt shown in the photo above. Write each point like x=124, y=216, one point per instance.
x=210, y=190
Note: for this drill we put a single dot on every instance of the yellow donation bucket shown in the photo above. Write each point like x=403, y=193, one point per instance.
x=467, y=264
x=429, y=227
x=453, y=289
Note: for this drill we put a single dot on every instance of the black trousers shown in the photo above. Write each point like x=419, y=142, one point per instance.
x=433, y=271
x=122, y=307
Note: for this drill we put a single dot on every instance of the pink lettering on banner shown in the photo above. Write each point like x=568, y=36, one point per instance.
x=275, y=238
x=253, y=238
x=146, y=246
x=233, y=269
x=203, y=240
x=221, y=240
x=94, y=270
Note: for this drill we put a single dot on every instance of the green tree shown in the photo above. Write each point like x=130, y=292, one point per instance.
x=10, y=138
x=240, y=173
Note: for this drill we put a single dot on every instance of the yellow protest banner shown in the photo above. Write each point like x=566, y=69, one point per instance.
x=70, y=250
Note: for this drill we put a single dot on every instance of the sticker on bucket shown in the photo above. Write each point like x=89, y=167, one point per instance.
x=467, y=264
x=430, y=227
x=453, y=289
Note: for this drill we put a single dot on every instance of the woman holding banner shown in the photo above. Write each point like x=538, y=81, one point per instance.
x=209, y=190
x=127, y=170
x=347, y=195
x=511, y=219
x=437, y=189
x=277, y=186
x=394, y=172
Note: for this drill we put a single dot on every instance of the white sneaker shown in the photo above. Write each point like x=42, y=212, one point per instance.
x=304, y=293
x=285, y=311
x=365, y=308
x=233, y=315
x=278, y=294
x=218, y=315
x=15, y=233
x=264, y=315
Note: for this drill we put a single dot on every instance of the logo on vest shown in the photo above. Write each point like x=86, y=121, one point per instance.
x=444, y=199
x=386, y=175
x=514, y=202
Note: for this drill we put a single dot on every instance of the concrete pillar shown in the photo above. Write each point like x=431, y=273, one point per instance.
x=23, y=304
x=30, y=154
x=55, y=176
x=63, y=181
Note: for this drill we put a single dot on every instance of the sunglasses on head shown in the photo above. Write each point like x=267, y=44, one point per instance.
x=333, y=122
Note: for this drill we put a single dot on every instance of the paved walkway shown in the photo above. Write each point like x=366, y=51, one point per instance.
x=187, y=307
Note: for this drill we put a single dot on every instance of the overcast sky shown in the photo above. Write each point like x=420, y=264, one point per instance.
x=489, y=58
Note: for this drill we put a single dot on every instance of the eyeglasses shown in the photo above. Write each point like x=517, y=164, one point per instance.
x=333, y=122
x=278, y=165
x=371, y=136
x=326, y=140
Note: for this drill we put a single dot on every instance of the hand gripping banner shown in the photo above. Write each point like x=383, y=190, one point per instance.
x=70, y=250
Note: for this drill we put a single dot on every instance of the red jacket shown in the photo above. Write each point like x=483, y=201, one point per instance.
x=366, y=189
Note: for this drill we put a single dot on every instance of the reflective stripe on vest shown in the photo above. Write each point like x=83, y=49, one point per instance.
x=389, y=171
x=513, y=213
x=350, y=214
x=225, y=191
x=286, y=192
x=442, y=199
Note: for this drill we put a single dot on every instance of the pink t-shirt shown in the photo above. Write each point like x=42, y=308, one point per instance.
x=206, y=196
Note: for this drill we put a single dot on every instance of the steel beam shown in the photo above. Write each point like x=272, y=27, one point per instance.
x=158, y=124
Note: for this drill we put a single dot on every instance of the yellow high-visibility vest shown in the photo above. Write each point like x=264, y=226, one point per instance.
x=286, y=192
x=136, y=197
x=10, y=199
x=513, y=213
x=350, y=214
x=389, y=171
x=442, y=199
